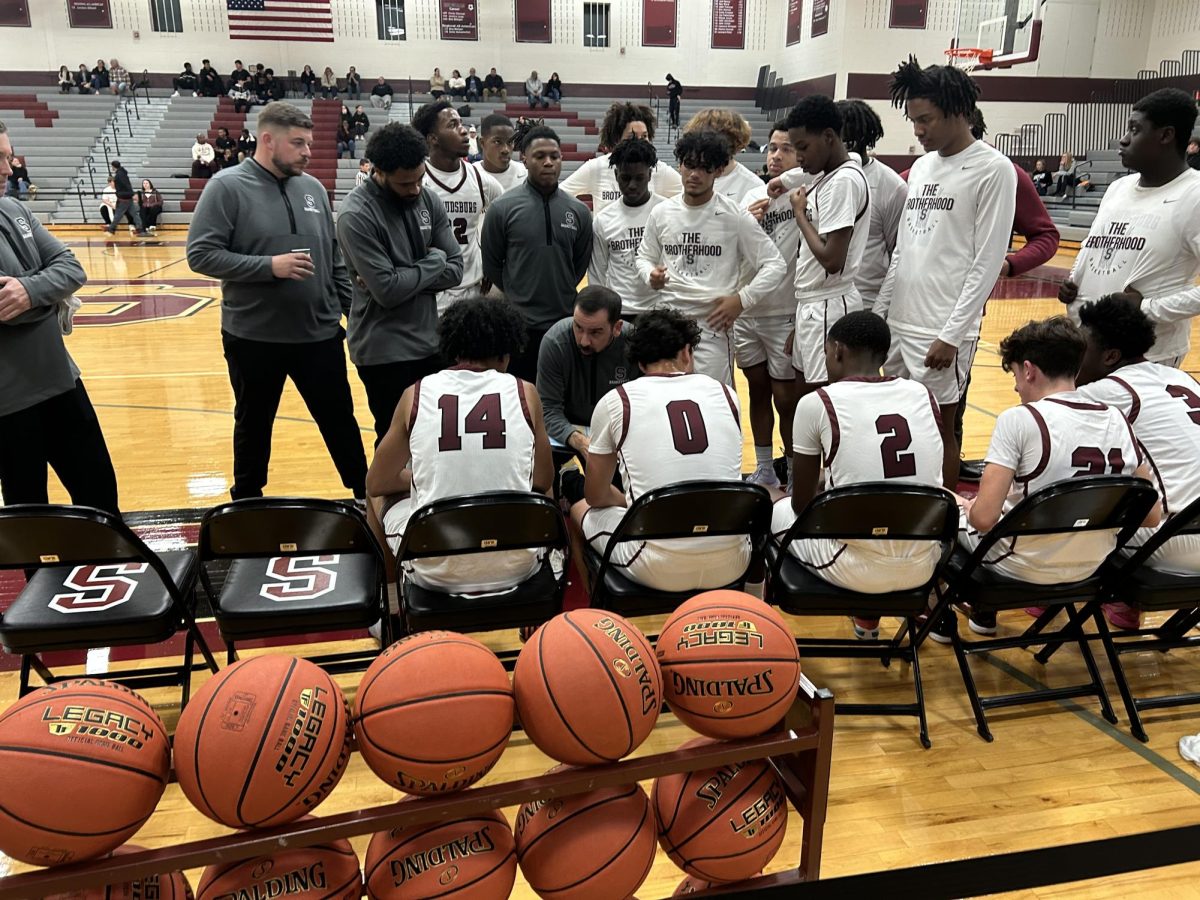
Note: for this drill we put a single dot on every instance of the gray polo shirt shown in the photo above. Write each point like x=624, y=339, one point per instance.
x=571, y=384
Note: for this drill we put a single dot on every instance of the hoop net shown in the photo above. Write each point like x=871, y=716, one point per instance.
x=968, y=58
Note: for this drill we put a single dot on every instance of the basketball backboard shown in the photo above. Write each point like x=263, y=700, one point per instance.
x=1010, y=29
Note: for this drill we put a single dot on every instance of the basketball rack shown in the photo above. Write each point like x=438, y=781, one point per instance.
x=799, y=751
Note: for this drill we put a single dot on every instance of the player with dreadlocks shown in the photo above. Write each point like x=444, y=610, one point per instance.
x=950, y=246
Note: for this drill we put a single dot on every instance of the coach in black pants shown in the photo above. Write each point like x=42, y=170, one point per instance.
x=401, y=251
x=46, y=417
x=266, y=230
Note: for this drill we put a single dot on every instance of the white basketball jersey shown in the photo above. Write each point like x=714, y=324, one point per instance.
x=469, y=431
x=1163, y=406
x=466, y=194
x=871, y=429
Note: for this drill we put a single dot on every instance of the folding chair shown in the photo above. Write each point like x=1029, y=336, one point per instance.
x=690, y=509
x=1090, y=503
x=1129, y=579
x=866, y=512
x=455, y=526
x=294, y=567
x=93, y=583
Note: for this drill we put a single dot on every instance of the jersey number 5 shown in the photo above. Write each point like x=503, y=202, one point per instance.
x=484, y=418
x=896, y=463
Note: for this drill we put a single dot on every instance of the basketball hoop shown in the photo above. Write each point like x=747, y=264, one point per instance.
x=968, y=58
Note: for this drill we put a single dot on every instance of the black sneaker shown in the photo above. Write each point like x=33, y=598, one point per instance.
x=980, y=622
x=969, y=471
x=944, y=629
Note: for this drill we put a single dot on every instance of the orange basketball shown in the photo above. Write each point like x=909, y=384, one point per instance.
x=169, y=886
x=469, y=859
x=433, y=713
x=82, y=765
x=730, y=665
x=593, y=846
x=723, y=824
x=588, y=687
x=263, y=742
x=321, y=872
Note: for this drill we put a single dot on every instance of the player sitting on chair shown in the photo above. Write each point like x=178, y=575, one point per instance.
x=1055, y=434
x=669, y=426
x=863, y=427
x=467, y=429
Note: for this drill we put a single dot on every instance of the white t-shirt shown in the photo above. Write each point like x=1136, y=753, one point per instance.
x=838, y=199
x=951, y=244
x=705, y=249
x=736, y=183
x=597, y=178
x=888, y=193
x=616, y=235
x=1147, y=239
x=779, y=221
x=1048, y=441
x=509, y=178
x=465, y=194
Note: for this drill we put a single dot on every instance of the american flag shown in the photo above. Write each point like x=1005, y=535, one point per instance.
x=280, y=20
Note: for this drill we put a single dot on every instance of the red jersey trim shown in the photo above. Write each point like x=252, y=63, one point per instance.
x=835, y=429
x=1136, y=406
x=732, y=405
x=626, y=415
x=524, y=401
x=445, y=187
x=1045, y=458
x=416, y=404
x=1076, y=404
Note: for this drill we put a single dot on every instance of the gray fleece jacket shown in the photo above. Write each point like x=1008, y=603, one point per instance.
x=34, y=363
x=245, y=216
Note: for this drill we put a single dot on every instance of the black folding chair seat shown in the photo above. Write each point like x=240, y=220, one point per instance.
x=809, y=594
x=533, y=601
x=991, y=591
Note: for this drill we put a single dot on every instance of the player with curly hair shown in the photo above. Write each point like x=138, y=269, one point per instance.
x=735, y=180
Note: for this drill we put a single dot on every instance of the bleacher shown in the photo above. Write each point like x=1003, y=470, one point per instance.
x=1073, y=215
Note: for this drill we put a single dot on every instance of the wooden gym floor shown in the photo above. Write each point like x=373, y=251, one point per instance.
x=148, y=343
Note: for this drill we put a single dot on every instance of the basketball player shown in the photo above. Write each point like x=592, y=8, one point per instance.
x=1055, y=434
x=833, y=216
x=464, y=430
x=734, y=180
x=668, y=426
x=706, y=256
x=46, y=416
x=1160, y=402
x=265, y=228
x=952, y=240
x=617, y=229
x=863, y=427
x=1144, y=244
x=464, y=190
x=760, y=336
x=401, y=249
x=496, y=143
x=596, y=177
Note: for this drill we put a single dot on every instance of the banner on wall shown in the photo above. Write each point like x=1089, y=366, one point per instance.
x=907, y=14
x=533, y=21
x=793, y=21
x=459, y=20
x=14, y=13
x=728, y=24
x=820, y=18
x=89, y=14
x=659, y=18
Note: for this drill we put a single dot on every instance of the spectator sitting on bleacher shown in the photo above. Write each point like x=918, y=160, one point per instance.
x=224, y=142
x=345, y=116
x=276, y=90
x=329, y=85
x=353, y=84
x=473, y=152
x=65, y=80
x=457, y=85
x=474, y=87
x=345, y=141
x=204, y=156
x=363, y=173
x=437, y=84
x=308, y=80
x=18, y=181
x=1193, y=153
x=226, y=159
x=1041, y=178
x=186, y=81
x=242, y=96
x=533, y=91
x=239, y=74
x=125, y=208
x=211, y=84
x=83, y=79
x=108, y=201
x=381, y=94
x=246, y=144
x=493, y=86
x=359, y=123
x=554, y=87
x=261, y=88
x=100, y=77
x=150, y=202
x=1070, y=176
x=118, y=78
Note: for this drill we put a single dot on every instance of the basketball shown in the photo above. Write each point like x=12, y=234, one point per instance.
x=730, y=664
x=83, y=763
x=433, y=713
x=263, y=742
x=169, y=886
x=471, y=859
x=588, y=687
x=723, y=824
x=593, y=846
x=321, y=872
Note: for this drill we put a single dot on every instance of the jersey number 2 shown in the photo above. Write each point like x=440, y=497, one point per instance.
x=460, y=231
x=484, y=418
x=896, y=463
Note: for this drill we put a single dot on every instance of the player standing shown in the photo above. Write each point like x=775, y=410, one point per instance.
x=496, y=144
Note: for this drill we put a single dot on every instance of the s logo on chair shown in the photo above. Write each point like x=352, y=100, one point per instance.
x=300, y=577
x=97, y=588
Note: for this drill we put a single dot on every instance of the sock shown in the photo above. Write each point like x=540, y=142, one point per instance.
x=762, y=456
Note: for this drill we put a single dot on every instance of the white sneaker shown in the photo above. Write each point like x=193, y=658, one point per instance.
x=176, y=94
x=376, y=631
x=764, y=475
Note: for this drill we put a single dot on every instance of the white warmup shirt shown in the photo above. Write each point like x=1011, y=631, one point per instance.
x=888, y=193
x=779, y=222
x=736, y=183
x=951, y=244
x=1147, y=239
x=838, y=199
x=466, y=194
x=597, y=178
x=616, y=235
x=509, y=178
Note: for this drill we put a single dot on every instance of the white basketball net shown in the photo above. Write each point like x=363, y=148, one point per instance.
x=965, y=58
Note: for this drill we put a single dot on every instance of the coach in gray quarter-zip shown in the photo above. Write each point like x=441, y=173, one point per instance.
x=265, y=229
x=46, y=417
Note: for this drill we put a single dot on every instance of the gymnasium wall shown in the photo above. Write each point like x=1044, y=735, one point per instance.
x=1176, y=28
